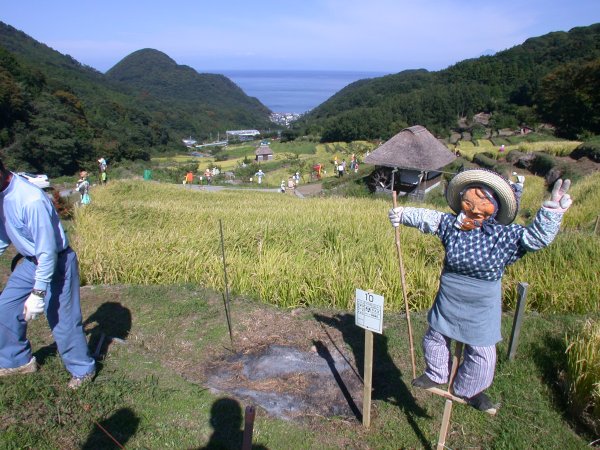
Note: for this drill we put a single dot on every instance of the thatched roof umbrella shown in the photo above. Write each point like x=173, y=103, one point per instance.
x=413, y=148
x=263, y=150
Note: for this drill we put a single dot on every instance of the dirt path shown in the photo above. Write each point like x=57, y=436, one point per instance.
x=310, y=190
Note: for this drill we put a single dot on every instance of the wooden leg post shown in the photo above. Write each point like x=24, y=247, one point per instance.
x=368, y=376
x=445, y=423
x=458, y=349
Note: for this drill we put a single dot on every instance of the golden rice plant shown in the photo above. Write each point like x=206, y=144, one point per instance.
x=556, y=148
x=583, y=374
x=286, y=250
x=586, y=204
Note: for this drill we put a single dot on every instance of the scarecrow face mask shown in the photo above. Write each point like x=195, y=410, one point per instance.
x=476, y=207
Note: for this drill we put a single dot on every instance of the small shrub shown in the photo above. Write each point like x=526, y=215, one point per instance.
x=484, y=161
x=514, y=155
x=587, y=149
x=542, y=164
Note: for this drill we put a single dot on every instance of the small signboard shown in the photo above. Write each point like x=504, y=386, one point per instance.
x=369, y=311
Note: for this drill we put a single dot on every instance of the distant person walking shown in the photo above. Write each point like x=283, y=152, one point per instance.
x=189, y=178
x=102, y=167
x=340, y=169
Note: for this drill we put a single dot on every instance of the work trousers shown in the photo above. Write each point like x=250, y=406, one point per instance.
x=63, y=312
x=475, y=373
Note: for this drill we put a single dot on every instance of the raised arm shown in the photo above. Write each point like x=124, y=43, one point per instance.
x=546, y=224
x=425, y=220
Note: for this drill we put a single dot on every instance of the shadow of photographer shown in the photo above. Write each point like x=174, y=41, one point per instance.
x=119, y=427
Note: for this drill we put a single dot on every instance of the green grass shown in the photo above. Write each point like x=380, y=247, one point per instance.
x=148, y=393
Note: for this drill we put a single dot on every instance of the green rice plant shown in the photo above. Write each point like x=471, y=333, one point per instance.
x=292, y=252
x=583, y=374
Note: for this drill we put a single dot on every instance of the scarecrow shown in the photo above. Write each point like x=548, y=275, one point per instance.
x=480, y=240
x=83, y=187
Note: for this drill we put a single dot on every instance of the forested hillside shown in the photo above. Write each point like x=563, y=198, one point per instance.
x=57, y=115
x=549, y=79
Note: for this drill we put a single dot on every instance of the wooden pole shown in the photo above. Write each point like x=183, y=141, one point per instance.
x=597, y=226
x=445, y=423
x=368, y=376
x=226, y=294
x=403, y=281
x=248, y=427
x=458, y=349
x=518, y=320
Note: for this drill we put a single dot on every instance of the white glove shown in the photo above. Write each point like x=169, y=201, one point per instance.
x=34, y=305
x=395, y=215
x=520, y=179
x=559, y=201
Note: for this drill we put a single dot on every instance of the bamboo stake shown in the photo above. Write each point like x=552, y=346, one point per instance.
x=226, y=295
x=403, y=281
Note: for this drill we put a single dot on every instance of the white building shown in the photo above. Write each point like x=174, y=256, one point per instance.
x=242, y=135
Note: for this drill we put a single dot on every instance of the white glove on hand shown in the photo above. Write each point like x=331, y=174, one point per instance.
x=395, y=215
x=559, y=201
x=34, y=305
x=520, y=179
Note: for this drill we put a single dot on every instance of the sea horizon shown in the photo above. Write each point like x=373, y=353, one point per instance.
x=294, y=91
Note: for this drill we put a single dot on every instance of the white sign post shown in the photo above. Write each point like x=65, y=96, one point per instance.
x=368, y=315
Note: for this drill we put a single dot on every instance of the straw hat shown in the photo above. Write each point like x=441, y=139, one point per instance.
x=507, y=201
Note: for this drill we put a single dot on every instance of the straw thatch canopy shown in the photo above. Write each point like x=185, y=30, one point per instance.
x=263, y=150
x=412, y=148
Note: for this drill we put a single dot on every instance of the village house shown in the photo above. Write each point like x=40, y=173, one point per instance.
x=263, y=153
x=418, y=157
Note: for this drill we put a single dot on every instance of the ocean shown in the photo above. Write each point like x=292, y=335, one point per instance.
x=293, y=91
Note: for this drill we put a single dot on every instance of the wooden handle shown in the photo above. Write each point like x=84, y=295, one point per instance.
x=403, y=282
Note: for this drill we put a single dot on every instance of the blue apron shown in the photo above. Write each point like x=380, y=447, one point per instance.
x=468, y=309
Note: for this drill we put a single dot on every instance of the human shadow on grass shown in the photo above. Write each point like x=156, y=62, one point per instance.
x=388, y=382
x=226, y=419
x=113, y=323
x=113, y=432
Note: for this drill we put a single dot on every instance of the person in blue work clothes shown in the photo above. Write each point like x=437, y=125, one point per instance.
x=45, y=282
x=480, y=240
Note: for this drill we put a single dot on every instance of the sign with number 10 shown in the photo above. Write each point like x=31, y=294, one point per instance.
x=369, y=311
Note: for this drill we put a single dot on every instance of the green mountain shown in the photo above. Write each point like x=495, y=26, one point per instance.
x=210, y=101
x=57, y=115
x=552, y=79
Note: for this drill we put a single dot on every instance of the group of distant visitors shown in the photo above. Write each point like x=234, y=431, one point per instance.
x=340, y=167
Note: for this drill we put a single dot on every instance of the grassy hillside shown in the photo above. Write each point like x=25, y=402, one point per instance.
x=58, y=116
x=547, y=79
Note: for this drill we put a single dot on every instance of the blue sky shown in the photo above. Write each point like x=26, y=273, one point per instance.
x=375, y=35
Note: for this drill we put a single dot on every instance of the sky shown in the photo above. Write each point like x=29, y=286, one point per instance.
x=385, y=36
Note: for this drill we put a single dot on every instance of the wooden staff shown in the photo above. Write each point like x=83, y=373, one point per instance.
x=403, y=281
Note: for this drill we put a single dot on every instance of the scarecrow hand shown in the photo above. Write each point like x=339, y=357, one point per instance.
x=34, y=305
x=559, y=201
x=395, y=215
